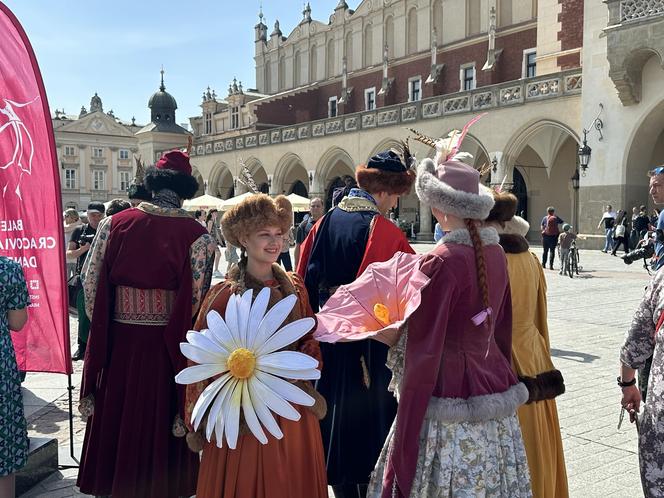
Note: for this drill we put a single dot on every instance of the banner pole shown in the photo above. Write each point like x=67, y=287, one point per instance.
x=72, y=452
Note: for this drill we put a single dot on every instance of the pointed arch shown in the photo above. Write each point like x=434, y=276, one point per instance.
x=367, y=46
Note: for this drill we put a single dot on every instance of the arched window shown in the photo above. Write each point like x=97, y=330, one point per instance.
x=411, y=44
x=389, y=36
x=282, y=73
x=297, y=69
x=349, y=51
x=331, y=59
x=313, y=63
x=367, y=55
x=437, y=17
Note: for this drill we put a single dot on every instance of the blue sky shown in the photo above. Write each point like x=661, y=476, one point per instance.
x=117, y=47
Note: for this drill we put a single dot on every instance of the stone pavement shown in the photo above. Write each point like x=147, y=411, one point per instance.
x=587, y=318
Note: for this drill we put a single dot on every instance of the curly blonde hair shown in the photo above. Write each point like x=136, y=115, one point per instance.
x=253, y=213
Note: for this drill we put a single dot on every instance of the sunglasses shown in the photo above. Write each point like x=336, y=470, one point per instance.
x=657, y=171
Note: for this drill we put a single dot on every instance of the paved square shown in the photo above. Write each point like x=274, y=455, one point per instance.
x=588, y=317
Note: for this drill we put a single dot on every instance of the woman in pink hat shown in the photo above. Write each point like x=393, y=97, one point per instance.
x=456, y=432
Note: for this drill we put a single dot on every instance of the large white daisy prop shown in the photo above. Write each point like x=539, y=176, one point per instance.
x=242, y=351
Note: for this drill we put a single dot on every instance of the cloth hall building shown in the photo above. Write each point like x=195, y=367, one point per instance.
x=552, y=76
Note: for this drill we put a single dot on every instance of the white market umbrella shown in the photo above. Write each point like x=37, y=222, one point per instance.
x=234, y=201
x=203, y=202
x=300, y=204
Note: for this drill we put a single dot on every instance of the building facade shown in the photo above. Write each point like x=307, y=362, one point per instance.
x=330, y=95
x=96, y=149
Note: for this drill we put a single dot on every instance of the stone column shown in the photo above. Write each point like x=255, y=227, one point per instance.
x=113, y=175
x=426, y=230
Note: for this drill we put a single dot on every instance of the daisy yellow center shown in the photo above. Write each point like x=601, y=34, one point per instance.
x=241, y=363
x=382, y=313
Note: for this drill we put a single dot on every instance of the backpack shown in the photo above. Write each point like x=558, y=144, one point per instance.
x=551, y=227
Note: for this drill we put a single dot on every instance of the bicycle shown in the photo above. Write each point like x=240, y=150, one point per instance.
x=572, y=266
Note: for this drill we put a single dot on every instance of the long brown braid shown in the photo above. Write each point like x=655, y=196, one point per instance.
x=482, y=278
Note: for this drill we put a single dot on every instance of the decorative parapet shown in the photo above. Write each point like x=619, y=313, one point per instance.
x=482, y=99
x=631, y=10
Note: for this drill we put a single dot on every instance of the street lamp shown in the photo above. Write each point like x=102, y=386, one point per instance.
x=585, y=151
x=575, y=177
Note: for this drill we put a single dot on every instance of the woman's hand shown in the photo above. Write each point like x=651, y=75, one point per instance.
x=631, y=400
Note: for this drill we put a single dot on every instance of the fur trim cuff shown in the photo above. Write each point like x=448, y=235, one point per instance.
x=488, y=235
x=478, y=408
x=546, y=385
x=442, y=196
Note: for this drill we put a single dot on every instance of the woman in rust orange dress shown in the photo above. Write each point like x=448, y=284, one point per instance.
x=293, y=466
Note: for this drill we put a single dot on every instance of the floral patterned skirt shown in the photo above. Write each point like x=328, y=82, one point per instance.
x=465, y=459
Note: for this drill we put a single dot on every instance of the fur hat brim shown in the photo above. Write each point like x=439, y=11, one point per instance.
x=517, y=225
x=374, y=180
x=253, y=213
x=504, y=208
x=440, y=195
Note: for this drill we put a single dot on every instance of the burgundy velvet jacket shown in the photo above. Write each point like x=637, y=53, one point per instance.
x=450, y=358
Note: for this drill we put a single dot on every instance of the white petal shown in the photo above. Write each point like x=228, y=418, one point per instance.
x=275, y=402
x=232, y=415
x=290, y=360
x=310, y=374
x=231, y=320
x=243, y=310
x=221, y=418
x=263, y=412
x=200, y=355
x=288, y=391
x=274, y=318
x=205, y=399
x=250, y=415
x=197, y=373
x=286, y=335
x=220, y=330
x=205, y=340
x=258, y=309
x=216, y=406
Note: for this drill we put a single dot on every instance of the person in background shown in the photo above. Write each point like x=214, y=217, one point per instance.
x=607, y=221
x=215, y=232
x=79, y=245
x=657, y=194
x=315, y=213
x=564, y=244
x=550, y=232
x=393, y=219
x=117, y=205
x=654, y=217
x=284, y=256
x=620, y=232
x=639, y=226
x=71, y=222
x=199, y=216
x=14, y=300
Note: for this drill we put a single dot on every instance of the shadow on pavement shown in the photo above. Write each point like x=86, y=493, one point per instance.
x=574, y=356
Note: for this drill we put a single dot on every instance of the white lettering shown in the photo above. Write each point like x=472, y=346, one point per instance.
x=11, y=225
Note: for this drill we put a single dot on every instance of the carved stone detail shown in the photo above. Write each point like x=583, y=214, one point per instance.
x=251, y=141
x=368, y=120
x=542, y=88
x=218, y=146
x=318, y=130
x=511, y=95
x=228, y=145
x=239, y=143
x=483, y=100
x=303, y=132
x=288, y=135
x=333, y=127
x=431, y=109
x=409, y=113
x=456, y=104
x=264, y=139
x=350, y=124
x=388, y=117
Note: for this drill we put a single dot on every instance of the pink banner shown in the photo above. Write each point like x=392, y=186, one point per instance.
x=31, y=230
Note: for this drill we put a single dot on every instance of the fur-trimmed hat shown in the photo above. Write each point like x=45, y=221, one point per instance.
x=454, y=188
x=385, y=172
x=517, y=225
x=255, y=212
x=504, y=208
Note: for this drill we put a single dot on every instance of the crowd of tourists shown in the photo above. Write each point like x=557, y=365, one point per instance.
x=460, y=402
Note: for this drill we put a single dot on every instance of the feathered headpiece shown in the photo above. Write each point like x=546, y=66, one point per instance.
x=245, y=178
x=448, y=148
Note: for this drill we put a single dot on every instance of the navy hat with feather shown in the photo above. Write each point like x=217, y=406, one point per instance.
x=387, y=171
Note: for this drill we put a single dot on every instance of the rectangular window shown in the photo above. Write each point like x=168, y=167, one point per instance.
x=467, y=77
x=69, y=150
x=70, y=178
x=369, y=99
x=125, y=179
x=414, y=89
x=124, y=154
x=529, y=63
x=332, y=107
x=235, y=118
x=97, y=152
x=208, y=123
x=98, y=180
